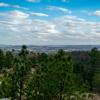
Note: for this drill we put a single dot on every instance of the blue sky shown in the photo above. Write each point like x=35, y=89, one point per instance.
x=49, y=22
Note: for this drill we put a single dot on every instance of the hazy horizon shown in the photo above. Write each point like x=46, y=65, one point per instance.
x=50, y=44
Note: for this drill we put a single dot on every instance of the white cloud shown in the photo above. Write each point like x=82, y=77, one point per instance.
x=18, y=14
x=59, y=9
x=33, y=0
x=97, y=13
x=17, y=6
x=38, y=14
x=65, y=0
x=17, y=27
x=78, y=31
x=3, y=4
x=20, y=28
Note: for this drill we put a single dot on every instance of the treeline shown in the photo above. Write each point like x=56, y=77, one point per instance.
x=40, y=76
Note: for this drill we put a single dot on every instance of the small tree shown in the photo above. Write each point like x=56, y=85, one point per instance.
x=54, y=79
x=9, y=59
x=2, y=59
x=20, y=73
x=94, y=63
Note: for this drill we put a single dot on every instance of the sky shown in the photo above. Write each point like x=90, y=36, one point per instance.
x=50, y=22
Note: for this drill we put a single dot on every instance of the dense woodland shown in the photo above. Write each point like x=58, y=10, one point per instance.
x=53, y=76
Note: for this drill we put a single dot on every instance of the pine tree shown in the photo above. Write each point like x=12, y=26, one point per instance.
x=20, y=73
x=94, y=63
x=54, y=79
x=9, y=60
x=2, y=59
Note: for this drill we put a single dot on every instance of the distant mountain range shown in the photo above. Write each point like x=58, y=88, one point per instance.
x=50, y=48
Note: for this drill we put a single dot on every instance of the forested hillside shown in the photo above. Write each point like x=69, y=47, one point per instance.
x=54, y=76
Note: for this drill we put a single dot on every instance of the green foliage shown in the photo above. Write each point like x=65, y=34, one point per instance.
x=9, y=59
x=2, y=59
x=94, y=63
x=41, y=76
x=5, y=86
x=54, y=79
